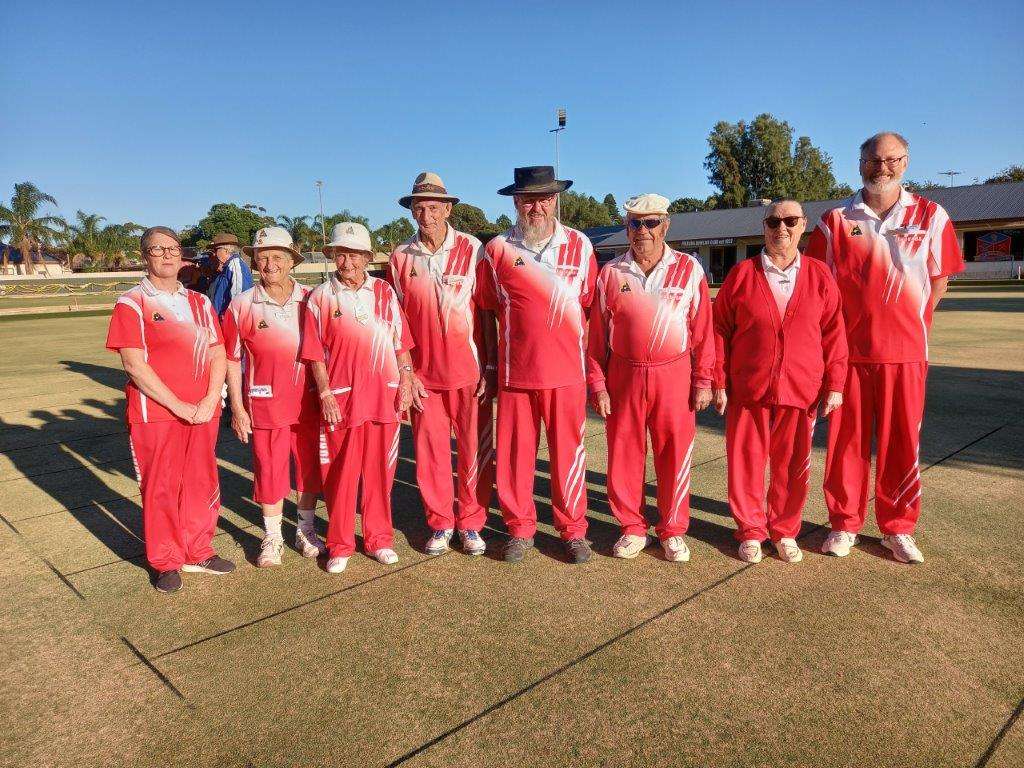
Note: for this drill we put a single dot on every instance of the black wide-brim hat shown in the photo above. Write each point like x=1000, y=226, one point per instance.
x=535, y=180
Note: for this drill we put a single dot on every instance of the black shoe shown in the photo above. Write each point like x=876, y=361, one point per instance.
x=578, y=551
x=167, y=581
x=516, y=549
x=215, y=565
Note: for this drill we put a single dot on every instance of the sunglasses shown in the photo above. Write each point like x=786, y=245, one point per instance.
x=772, y=222
x=647, y=223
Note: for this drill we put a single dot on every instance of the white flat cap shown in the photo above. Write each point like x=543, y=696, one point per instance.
x=350, y=235
x=647, y=205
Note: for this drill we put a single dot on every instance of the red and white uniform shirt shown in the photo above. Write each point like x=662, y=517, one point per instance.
x=357, y=333
x=436, y=293
x=648, y=319
x=540, y=298
x=276, y=387
x=884, y=268
x=175, y=332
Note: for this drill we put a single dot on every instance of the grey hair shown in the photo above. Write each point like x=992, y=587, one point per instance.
x=869, y=144
x=779, y=201
x=148, y=235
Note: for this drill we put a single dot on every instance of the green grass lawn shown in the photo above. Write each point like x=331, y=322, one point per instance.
x=452, y=661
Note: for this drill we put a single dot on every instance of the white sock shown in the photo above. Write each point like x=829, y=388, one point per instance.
x=307, y=518
x=272, y=525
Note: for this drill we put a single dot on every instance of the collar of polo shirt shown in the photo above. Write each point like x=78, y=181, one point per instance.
x=339, y=287
x=447, y=245
x=558, y=238
x=262, y=297
x=151, y=290
x=767, y=263
x=668, y=258
x=906, y=200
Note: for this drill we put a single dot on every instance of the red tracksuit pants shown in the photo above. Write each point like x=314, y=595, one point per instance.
x=654, y=399
x=273, y=453
x=176, y=464
x=366, y=453
x=886, y=401
x=563, y=411
x=777, y=437
x=445, y=411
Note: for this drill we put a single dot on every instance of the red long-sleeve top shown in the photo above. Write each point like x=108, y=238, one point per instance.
x=768, y=359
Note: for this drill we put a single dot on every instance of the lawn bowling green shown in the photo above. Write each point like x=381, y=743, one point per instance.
x=453, y=661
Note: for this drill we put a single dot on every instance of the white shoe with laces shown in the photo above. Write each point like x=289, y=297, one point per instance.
x=308, y=543
x=386, y=556
x=676, y=550
x=903, y=548
x=270, y=552
x=838, y=543
x=788, y=550
x=337, y=564
x=750, y=551
x=629, y=546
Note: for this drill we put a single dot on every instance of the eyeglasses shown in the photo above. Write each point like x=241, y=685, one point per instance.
x=878, y=162
x=160, y=250
x=772, y=222
x=646, y=223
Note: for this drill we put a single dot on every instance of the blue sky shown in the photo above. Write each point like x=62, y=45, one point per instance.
x=152, y=113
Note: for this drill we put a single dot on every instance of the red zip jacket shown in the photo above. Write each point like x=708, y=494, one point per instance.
x=770, y=360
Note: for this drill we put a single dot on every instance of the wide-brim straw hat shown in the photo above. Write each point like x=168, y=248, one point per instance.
x=428, y=186
x=273, y=237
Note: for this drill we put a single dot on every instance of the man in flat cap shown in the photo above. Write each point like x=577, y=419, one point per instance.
x=650, y=362
x=434, y=275
x=539, y=278
x=231, y=275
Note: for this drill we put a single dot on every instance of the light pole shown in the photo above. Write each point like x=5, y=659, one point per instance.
x=323, y=228
x=560, y=115
x=951, y=174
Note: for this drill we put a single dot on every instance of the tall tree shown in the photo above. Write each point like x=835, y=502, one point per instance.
x=1011, y=173
x=503, y=222
x=921, y=186
x=469, y=218
x=582, y=211
x=392, y=234
x=687, y=205
x=760, y=159
x=298, y=227
x=613, y=208
x=23, y=225
x=241, y=221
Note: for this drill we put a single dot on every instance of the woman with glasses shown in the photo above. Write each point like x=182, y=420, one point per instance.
x=782, y=354
x=172, y=350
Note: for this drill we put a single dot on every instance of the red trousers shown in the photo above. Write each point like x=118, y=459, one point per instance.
x=367, y=453
x=777, y=437
x=564, y=413
x=176, y=464
x=273, y=451
x=445, y=411
x=885, y=401
x=654, y=399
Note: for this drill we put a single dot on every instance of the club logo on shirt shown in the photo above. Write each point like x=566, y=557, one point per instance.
x=413, y=272
x=856, y=230
x=337, y=313
x=625, y=288
x=518, y=262
x=262, y=324
x=157, y=317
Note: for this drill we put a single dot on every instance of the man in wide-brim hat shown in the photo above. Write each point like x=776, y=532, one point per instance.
x=231, y=275
x=357, y=343
x=276, y=407
x=539, y=277
x=434, y=275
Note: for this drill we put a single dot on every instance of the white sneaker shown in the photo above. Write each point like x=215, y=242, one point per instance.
x=903, y=548
x=308, y=543
x=750, y=551
x=337, y=564
x=629, y=546
x=676, y=549
x=838, y=543
x=385, y=556
x=473, y=543
x=270, y=552
x=437, y=544
x=788, y=550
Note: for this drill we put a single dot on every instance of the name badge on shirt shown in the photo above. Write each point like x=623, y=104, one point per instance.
x=261, y=391
x=361, y=314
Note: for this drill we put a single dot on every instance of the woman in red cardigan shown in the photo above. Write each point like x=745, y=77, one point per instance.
x=781, y=353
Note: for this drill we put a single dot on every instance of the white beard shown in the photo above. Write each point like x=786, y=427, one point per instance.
x=534, y=235
x=881, y=187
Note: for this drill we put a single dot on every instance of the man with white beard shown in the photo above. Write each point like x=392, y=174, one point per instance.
x=539, y=278
x=892, y=253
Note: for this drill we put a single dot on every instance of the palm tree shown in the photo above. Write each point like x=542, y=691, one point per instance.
x=298, y=227
x=84, y=237
x=23, y=225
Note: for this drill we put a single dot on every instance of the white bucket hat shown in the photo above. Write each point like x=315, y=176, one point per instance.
x=647, y=205
x=273, y=237
x=351, y=235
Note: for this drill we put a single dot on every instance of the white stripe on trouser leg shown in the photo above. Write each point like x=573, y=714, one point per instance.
x=575, y=480
x=682, y=486
x=135, y=459
x=393, y=453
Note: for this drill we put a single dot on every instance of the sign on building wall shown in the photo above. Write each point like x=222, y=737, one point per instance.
x=994, y=246
x=716, y=241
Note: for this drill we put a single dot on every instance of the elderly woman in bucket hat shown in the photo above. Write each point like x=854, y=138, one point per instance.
x=357, y=344
x=273, y=400
x=172, y=350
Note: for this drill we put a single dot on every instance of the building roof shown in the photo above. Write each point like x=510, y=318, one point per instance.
x=966, y=204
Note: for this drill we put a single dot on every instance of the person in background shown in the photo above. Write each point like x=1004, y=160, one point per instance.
x=275, y=406
x=230, y=275
x=781, y=355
